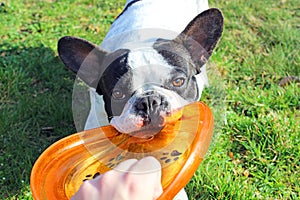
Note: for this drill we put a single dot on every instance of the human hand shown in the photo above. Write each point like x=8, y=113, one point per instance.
x=130, y=180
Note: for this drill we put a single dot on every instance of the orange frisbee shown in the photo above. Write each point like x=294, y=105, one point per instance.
x=180, y=147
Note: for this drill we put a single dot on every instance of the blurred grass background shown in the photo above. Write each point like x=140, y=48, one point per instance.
x=256, y=153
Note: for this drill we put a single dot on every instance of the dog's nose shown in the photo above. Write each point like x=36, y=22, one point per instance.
x=148, y=93
x=148, y=103
x=149, y=107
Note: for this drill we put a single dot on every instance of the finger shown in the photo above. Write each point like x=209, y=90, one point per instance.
x=146, y=173
x=88, y=190
x=154, y=170
x=125, y=165
x=158, y=190
x=146, y=165
x=115, y=175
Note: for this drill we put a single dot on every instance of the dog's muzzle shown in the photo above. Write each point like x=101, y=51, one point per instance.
x=146, y=110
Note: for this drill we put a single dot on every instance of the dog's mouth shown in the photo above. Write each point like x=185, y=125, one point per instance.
x=149, y=129
x=139, y=125
x=147, y=126
x=147, y=113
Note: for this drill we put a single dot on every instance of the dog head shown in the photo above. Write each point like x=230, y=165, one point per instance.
x=143, y=85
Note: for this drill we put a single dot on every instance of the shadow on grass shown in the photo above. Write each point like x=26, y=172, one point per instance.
x=35, y=111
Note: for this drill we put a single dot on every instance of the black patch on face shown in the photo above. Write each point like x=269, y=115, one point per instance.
x=176, y=54
x=113, y=79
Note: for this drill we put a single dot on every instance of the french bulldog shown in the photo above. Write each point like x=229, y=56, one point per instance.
x=151, y=62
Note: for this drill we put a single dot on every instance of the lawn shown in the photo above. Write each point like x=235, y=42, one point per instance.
x=255, y=151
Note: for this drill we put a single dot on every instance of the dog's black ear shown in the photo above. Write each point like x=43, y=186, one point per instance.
x=83, y=58
x=202, y=34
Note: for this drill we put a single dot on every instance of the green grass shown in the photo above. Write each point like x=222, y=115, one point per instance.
x=255, y=153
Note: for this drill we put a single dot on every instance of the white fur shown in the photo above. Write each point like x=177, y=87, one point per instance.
x=97, y=116
x=145, y=56
x=168, y=17
x=127, y=122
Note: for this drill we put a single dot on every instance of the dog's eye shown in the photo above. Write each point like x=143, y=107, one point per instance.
x=178, y=82
x=118, y=94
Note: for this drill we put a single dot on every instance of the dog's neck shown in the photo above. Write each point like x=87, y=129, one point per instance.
x=138, y=23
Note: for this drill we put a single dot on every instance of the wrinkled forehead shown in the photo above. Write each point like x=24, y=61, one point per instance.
x=148, y=66
x=144, y=57
x=144, y=65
